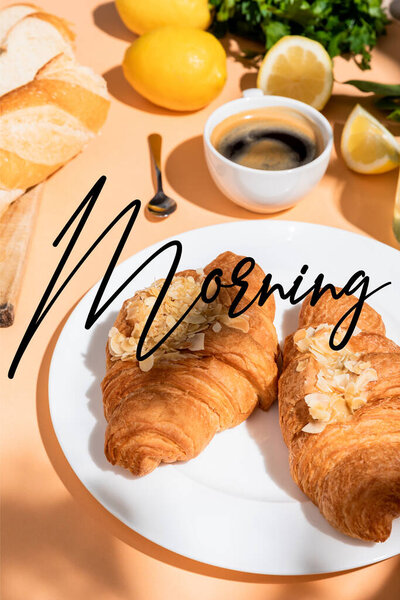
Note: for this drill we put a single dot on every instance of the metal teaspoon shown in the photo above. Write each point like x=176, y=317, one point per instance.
x=160, y=205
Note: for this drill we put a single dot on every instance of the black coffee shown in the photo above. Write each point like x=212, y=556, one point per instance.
x=270, y=138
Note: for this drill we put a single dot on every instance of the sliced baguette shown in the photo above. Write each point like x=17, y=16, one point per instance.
x=30, y=44
x=10, y=15
x=48, y=121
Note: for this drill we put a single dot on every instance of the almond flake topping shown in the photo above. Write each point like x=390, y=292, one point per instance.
x=189, y=336
x=341, y=385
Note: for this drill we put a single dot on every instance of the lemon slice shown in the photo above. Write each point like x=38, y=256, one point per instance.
x=367, y=146
x=298, y=68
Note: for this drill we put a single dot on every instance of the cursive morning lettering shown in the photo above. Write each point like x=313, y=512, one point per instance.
x=238, y=279
x=358, y=281
x=246, y=265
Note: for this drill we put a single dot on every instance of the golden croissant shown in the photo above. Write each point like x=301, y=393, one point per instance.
x=340, y=418
x=206, y=377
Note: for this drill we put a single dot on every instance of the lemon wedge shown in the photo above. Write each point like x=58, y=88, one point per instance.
x=298, y=68
x=367, y=146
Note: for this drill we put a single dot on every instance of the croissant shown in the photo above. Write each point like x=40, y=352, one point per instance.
x=340, y=418
x=208, y=376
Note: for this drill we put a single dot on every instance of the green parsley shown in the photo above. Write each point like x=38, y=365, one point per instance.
x=349, y=27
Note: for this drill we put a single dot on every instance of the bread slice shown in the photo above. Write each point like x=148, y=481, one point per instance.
x=10, y=15
x=30, y=44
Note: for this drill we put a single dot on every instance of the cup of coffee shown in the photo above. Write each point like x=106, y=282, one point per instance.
x=266, y=152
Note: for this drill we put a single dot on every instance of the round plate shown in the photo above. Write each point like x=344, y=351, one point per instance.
x=234, y=506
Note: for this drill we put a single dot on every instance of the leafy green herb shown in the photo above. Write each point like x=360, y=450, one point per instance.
x=341, y=26
x=388, y=96
x=380, y=89
x=394, y=115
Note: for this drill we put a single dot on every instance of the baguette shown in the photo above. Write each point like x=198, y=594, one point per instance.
x=48, y=121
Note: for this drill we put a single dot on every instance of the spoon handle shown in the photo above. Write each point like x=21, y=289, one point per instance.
x=155, y=149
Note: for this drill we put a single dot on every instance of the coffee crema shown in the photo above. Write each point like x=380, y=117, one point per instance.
x=273, y=138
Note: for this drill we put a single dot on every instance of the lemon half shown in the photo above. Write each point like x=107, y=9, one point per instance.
x=298, y=68
x=367, y=146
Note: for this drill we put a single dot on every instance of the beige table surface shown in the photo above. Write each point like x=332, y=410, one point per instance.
x=58, y=542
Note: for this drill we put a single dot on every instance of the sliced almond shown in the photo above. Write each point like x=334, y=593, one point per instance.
x=170, y=321
x=197, y=342
x=194, y=319
x=150, y=301
x=299, y=335
x=314, y=427
x=146, y=364
x=241, y=323
x=301, y=365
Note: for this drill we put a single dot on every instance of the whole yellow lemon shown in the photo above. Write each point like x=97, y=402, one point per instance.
x=176, y=67
x=145, y=15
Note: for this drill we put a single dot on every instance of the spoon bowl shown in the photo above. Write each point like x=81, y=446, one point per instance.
x=160, y=205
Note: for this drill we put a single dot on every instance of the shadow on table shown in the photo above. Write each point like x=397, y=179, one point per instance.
x=366, y=201
x=248, y=80
x=390, y=589
x=52, y=547
x=120, y=89
x=395, y=9
x=106, y=18
x=187, y=173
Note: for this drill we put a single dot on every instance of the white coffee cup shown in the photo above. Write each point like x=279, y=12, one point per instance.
x=260, y=190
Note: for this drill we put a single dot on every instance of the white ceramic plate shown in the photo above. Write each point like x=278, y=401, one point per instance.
x=235, y=505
